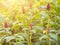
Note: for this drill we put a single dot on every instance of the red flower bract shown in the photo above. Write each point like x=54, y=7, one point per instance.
x=40, y=8
x=48, y=6
x=47, y=30
x=5, y=24
x=30, y=4
x=30, y=26
x=23, y=9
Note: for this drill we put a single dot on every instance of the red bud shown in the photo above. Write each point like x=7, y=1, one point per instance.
x=48, y=6
x=31, y=26
x=40, y=8
x=47, y=30
x=5, y=24
x=30, y=4
x=23, y=9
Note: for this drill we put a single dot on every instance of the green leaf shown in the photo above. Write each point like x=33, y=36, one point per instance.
x=54, y=36
x=9, y=38
x=43, y=37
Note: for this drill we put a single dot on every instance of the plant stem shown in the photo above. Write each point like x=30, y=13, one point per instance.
x=30, y=38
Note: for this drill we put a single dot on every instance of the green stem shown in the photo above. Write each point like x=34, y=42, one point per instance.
x=9, y=43
x=30, y=38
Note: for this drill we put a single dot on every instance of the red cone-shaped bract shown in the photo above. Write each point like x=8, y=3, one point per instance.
x=40, y=8
x=47, y=30
x=48, y=6
x=30, y=4
x=31, y=26
x=23, y=9
x=5, y=24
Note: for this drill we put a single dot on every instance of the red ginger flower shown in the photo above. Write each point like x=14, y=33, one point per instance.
x=47, y=30
x=48, y=6
x=5, y=24
x=40, y=8
x=23, y=9
x=30, y=26
x=30, y=4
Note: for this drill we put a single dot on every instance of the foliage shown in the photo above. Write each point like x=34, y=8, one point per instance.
x=35, y=22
